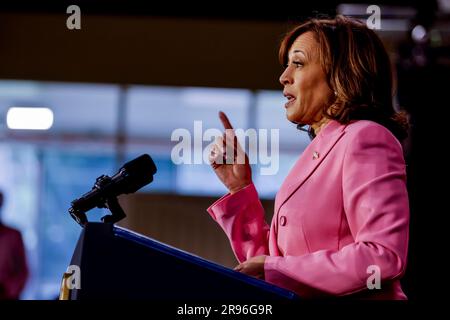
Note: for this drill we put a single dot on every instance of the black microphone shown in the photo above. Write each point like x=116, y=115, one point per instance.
x=132, y=176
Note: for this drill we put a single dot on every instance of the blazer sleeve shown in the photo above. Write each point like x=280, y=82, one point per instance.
x=241, y=216
x=376, y=208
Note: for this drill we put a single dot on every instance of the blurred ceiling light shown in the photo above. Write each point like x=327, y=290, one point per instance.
x=418, y=33
x=29, y=118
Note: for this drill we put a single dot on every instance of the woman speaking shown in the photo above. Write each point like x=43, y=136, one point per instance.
x=341, y=219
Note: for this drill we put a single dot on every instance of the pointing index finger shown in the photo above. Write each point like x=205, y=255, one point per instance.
x=224, y=119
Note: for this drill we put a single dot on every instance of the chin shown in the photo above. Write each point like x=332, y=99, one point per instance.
x=292, y=117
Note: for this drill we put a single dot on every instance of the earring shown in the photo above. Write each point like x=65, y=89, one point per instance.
x=335, y=93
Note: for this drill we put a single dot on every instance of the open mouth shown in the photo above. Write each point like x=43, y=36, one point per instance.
x=290, y=101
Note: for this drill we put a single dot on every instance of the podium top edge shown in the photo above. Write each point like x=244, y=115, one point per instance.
x=191, y=258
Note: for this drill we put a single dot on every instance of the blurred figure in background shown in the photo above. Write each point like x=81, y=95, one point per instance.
x=13, y=264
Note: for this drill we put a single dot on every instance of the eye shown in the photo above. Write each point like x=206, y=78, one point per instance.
x=297, y=64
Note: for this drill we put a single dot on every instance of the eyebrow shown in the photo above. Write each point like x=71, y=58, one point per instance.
x=301, y=51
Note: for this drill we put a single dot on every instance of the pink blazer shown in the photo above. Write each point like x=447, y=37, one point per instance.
x=342, y=209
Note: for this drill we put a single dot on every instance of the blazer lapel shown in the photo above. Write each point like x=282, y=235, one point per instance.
x=310, y=159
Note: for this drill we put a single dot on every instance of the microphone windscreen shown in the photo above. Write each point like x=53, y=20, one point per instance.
x=138, y=173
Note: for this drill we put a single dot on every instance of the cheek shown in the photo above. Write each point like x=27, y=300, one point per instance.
x=305, y=95
x=306, y=87
x=313, y=92
x=308, y=84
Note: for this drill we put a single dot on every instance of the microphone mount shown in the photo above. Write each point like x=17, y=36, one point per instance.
x=111, y=203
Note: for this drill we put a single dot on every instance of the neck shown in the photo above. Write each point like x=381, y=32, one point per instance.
x=319, y=125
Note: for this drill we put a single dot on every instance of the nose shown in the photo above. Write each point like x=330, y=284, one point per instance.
x=286, y=77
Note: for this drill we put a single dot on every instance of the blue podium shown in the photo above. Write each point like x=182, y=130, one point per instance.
x=115, y=263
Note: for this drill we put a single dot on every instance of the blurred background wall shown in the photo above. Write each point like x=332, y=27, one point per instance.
x=132, y=75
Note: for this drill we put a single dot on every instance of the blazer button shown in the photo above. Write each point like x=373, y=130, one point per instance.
x=282, y=220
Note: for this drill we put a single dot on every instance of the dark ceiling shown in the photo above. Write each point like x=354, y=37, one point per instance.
x=265, y=10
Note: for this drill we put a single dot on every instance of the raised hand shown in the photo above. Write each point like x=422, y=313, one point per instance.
x=229, y=161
